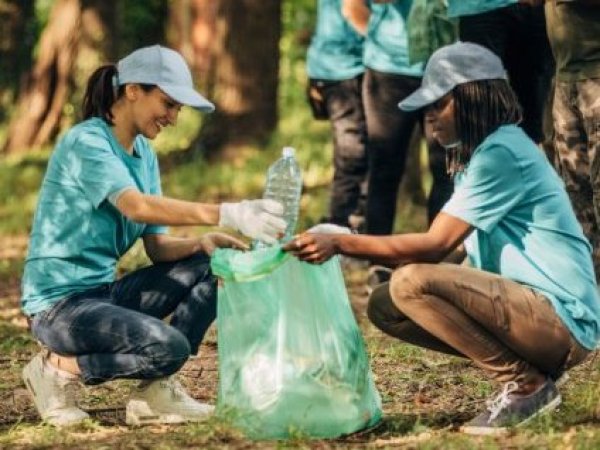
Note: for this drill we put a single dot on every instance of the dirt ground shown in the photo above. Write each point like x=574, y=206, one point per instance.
x=425, y=397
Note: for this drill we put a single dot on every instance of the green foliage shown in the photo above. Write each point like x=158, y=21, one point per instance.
x=14, y=339
x=20, y=179
x=140, y=24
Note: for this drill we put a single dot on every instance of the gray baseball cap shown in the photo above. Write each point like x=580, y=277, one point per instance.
x=450, y=66
x=166, y=69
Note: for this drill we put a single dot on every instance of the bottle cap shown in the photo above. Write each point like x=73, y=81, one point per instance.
x=288, y=152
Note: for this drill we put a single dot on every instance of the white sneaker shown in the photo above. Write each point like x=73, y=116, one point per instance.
x=164, y=401
x=54, y=396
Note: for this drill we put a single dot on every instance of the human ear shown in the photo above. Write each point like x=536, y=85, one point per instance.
x=131, y=91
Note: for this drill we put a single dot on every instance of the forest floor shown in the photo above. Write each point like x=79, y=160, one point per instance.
x=426, y=396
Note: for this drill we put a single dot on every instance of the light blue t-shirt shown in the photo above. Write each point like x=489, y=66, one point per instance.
x=525, y=228
x=78, y=235
x=457, y=8
x=386, y=44
x=336, y=49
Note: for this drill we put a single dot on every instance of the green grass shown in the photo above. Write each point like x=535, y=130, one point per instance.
x=425, y=395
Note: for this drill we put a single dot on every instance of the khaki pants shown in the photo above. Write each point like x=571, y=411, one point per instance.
x=505, y=328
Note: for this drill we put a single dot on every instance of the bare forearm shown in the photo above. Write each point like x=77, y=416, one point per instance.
x=357, y=13
x=171, y=248
x=152, y=209
x=391, y=250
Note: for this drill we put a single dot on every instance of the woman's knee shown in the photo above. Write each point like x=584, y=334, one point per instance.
x=168, y=353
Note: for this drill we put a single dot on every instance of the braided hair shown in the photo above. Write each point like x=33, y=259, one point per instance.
x=481, y=107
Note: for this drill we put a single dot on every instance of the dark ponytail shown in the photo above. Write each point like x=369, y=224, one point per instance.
x=101, y=94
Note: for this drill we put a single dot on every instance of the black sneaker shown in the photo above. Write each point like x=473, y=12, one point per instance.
x=377, y=275
x=509, y=410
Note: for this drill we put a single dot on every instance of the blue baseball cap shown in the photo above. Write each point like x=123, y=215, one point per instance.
x=450, y=66
x=166, y=69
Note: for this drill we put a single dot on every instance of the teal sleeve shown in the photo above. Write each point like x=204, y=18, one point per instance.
x=488, y=189
x=97, y=170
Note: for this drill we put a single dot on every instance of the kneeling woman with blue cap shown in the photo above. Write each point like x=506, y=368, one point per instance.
x=102, y=192
x=526, y=308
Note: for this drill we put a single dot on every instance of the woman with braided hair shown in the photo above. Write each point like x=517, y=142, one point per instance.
x=527, y=308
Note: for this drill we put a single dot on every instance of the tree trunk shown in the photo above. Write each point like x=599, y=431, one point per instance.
x=236, y=46
x=17, y=38
x=80, y=36
x=42, y=99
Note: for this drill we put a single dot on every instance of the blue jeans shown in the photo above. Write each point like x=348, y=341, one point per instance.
x=115, y=330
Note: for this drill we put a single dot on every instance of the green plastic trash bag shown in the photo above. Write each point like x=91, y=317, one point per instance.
x=292, y=360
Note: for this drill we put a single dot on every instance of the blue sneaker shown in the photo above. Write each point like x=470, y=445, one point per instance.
x=509, y=410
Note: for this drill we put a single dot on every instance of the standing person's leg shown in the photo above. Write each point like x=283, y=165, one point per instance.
x=388, y=134
x=490, y=29
x=503, y=327
x=589, y=101
x=576, y=145
x=442, y=184
x=345, y=109
x=517, y=34
x=530, y=64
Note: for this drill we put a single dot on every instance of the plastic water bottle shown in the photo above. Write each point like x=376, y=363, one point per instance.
x=284, y=184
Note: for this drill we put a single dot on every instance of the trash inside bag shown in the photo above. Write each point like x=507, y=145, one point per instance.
x=292, y=361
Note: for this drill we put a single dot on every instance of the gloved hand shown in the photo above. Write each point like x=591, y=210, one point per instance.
x=257, y=219
x=329, y=228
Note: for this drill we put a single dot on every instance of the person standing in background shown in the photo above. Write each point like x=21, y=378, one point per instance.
x=574, y=33
x=429, y=28
x=527, y=308
x=335, y=70
x=515, y=30
x=389, y=78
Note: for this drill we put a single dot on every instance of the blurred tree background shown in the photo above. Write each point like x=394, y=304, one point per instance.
x=247, y=56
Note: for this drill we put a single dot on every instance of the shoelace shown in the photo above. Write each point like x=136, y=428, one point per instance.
x=501, y=401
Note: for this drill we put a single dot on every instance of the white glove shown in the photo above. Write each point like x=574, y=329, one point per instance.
x=329, y=228
x=257, y=219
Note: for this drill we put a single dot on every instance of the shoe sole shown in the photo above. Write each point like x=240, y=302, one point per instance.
x=490, y=431
x=137, y=412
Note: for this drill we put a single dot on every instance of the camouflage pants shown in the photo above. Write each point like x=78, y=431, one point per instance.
x=576, y=115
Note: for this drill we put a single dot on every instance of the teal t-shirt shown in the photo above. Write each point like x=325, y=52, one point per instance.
x=525, y=228
x=78, y=235
x=336, y=49
x=457, y=8
x=386, y=43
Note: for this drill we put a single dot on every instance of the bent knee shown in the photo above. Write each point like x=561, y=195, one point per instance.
x=169, y=353
x=410, y=281
x=379, y=305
